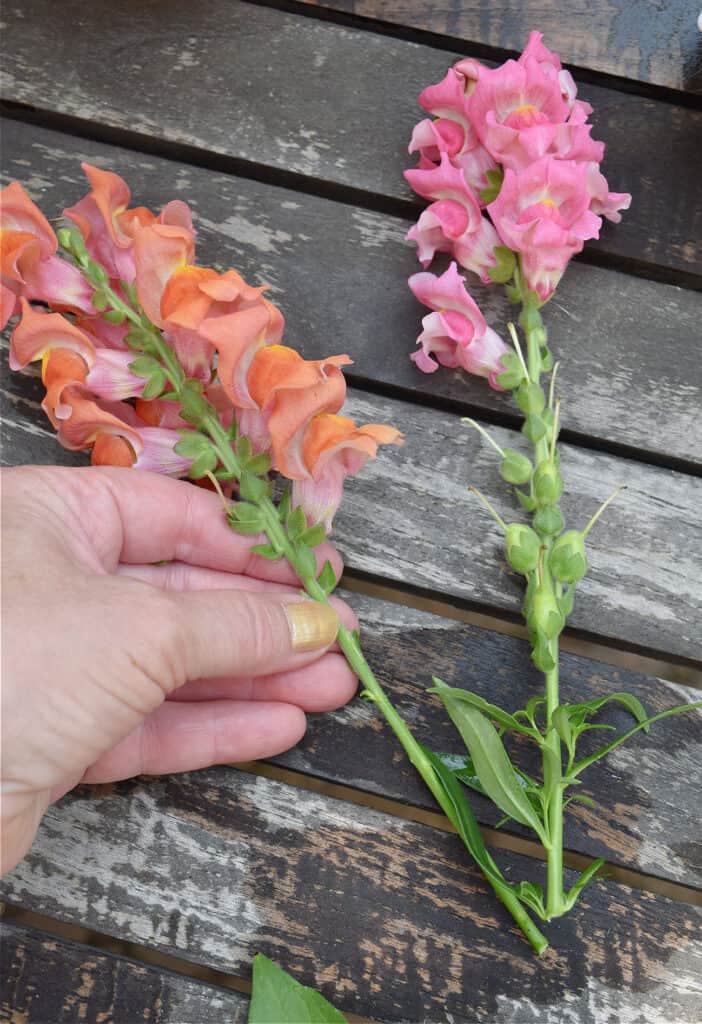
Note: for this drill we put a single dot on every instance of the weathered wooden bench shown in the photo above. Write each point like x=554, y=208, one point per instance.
x=285, y=126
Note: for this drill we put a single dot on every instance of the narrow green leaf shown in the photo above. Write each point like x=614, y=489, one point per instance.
x=561, y=723
x=327, y=578
x=581, y=798
x=461, y=766
x=526, y=501
x=252, y=488
x=144, y=366
x=243, y=449
x=632, y=705
x=259, y=464
x=314, y=536
x=266, y=551
x=492, y=765
x=276, y=998
x=305, y=562
x=296, y=523
x=192, y=444
x=532, y=895
x=248, y=528
x=583, y=879
x=463, y=819
x=155, y=385
x=491, y=710
x=204, y=463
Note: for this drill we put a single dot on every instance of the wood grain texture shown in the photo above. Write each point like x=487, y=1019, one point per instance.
x=409, y=518
x=47, y=980
x=648, y=817
x=630, y=372
x=384, y=916
x=224, y=83
x=638, y=40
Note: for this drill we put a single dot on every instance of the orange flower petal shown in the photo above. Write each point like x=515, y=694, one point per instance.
x=110, y=450
x=291, y=411
x=87, y=418
x=111, y=195
x=19, y=213
x=237, y=338
x=159, y=250
x=184, y=303
x=38, y=333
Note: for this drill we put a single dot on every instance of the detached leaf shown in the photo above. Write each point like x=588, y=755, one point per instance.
x=278, y=998
x=492, y=765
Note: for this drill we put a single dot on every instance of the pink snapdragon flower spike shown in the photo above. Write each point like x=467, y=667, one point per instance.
x=544, y=214
x=456, y=333
x=447, y=100
x=432, y=138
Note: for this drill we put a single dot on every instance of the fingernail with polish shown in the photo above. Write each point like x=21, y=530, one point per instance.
x=312, y=625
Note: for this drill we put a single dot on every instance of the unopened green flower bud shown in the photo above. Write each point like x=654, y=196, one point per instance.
x=530, y=397
x=545, y=617
x=548, y=485
x=516, y=468
x=522, y=547
x=542, y=657
x=567, y=560
x=549, y=521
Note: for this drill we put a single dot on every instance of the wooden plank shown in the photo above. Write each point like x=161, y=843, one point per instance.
x=648, y=817
x=47, y=979
x=409, y=518
x=626, y=379
x=223, y=85
x=385, y=916
x=655, y=44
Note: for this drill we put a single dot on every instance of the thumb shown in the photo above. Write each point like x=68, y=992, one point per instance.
x=240, y=633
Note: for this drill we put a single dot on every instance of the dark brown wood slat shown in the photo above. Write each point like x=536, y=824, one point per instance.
x=47, y=980
x=630, y=372
x=656, y=44
x=648, y=818
x=348, y=118
x=385, y=916
x=409, y=518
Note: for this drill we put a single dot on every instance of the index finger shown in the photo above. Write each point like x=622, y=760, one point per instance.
x=161, y=519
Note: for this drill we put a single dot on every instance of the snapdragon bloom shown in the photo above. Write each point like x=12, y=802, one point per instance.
x=454, y=221
x=456, y=333
x=544, y=214
x=29, y=266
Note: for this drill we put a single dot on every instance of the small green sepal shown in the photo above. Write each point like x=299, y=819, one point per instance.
x=567, y=560
x=516, y=468
x=327, y=578
x=522, y=546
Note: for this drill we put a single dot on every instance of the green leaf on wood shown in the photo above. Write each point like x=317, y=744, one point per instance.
x=277, y=998
x=492, y=765
x=583, y=879
x=491, y=710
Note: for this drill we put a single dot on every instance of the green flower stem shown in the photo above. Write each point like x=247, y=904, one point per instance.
x=351, y=647
x=552, y=764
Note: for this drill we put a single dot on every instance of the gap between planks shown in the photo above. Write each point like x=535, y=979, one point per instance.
x=493, y=837
x=135, y=952
x=481, y=51
x=196, y=156
x=683, y=672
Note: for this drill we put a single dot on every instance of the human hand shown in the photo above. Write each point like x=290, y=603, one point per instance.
x=114, y=666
